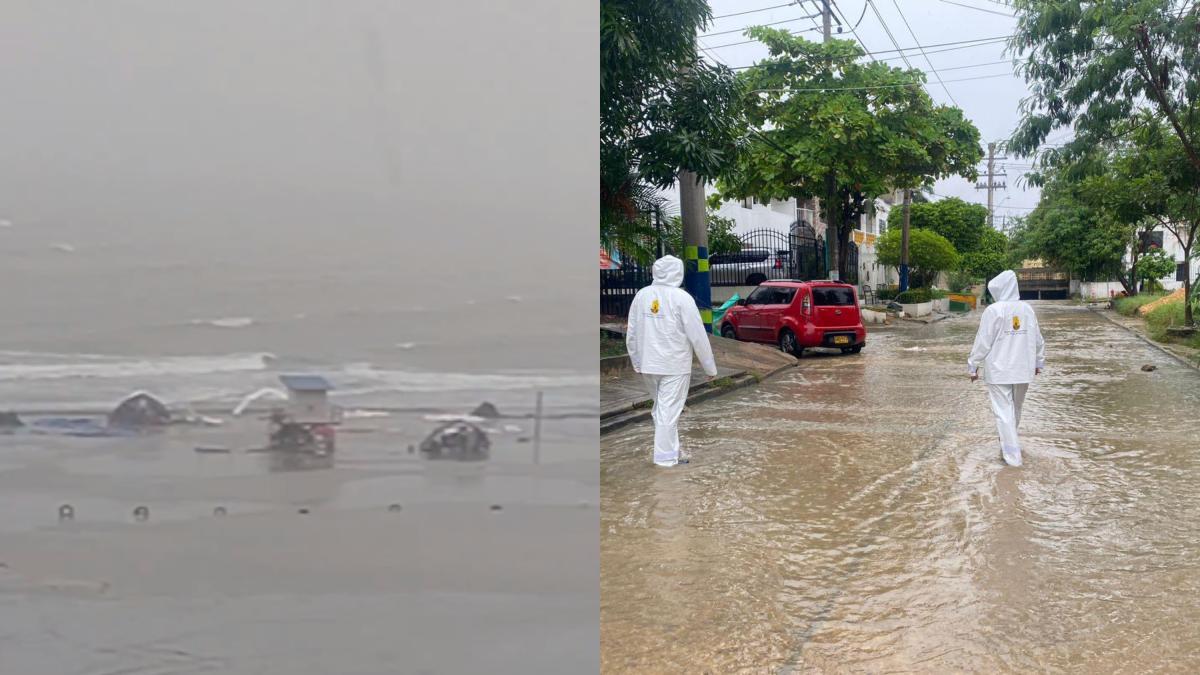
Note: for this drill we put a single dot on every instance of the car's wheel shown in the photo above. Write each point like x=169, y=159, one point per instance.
x=755, y=279
x=788, y=343
x=856, y=349
x=728, y=331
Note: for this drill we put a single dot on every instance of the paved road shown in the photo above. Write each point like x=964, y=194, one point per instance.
x=854, y=514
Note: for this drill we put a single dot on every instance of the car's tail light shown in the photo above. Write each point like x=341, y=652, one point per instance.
x=779, y=263
x=807, y=306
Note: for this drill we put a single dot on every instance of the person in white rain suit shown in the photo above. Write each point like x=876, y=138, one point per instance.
x=665, y=329
x=1010, y=348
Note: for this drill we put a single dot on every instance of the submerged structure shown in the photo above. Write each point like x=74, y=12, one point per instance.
x=139, y=410
x=308, y=420
x=457, y=440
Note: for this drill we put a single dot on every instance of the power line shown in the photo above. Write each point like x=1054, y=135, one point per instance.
x=876, y=86
x=978, y=9
x=743, y=28
x=853, y=29
x=746, y=42
x=891, y=37
x=754, y=11
x=982, y=42
x=927, y=60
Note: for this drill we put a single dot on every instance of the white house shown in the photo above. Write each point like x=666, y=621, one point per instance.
x=1158, y=237
x=780, y=215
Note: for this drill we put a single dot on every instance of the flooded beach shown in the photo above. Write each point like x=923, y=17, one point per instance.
x=854, y=515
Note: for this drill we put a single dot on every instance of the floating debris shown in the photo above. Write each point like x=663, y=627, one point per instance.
x=394, y=508
x=141, y=514
x=303, y=512
x=219, y=511
x=1149, y=368
x=497, y=507
x=214, y=451
x=66, y=512
x=457, y=440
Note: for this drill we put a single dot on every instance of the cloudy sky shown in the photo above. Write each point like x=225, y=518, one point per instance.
x=977, y=76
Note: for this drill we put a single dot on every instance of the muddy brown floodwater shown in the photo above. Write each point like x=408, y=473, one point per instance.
x=854, y=516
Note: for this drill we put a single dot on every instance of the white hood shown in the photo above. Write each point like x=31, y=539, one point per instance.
x=1003, y=287
x=668, y=271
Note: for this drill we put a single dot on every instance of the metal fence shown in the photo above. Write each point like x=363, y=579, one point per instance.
x=761, y=255
x=769, y=254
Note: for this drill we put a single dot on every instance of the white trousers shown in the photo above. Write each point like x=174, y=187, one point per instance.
x=669, y=393
x=1006, y=404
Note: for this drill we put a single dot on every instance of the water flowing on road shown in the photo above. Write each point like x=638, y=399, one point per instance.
x=854, y=515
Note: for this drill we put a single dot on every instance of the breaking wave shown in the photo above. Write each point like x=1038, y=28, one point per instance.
x=30, y=366
x=225, y=322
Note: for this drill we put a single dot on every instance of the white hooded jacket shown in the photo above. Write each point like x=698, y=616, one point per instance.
x=665, y=326
x=1009, y=343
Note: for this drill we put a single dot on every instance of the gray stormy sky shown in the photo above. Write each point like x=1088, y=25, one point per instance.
x=367, y=131
x=991, y=103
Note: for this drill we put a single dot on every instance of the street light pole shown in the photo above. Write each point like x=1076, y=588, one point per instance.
x=832, y=212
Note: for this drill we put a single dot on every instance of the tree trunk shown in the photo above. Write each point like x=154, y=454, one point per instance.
x=1187, y=287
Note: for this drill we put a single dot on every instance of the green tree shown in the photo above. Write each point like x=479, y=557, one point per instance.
x=1154, y=265
x=990, y=256
x=961, y=222
x=721, y=238
x=662, y=109
x=817, y=109
x=1094, y=65
x=928, y=254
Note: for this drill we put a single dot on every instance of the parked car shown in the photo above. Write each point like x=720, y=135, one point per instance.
x=749, y=266
x=799, y=315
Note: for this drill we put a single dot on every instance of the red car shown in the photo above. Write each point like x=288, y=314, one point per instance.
x=799, y=315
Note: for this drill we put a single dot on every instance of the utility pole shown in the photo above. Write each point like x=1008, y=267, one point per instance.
x=832, y=211
x=695, y=244
x=989, y=182
x=904, y=242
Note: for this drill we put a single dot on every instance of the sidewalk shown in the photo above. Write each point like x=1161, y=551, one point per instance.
x=624, y=400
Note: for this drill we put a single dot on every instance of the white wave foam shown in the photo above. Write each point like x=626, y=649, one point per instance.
x=266, y=392
x=355, y=413
x=64, y=248
x=26, y=366
x=5, y=223
x=225, y=322
x=365, y=379
x=405, y=345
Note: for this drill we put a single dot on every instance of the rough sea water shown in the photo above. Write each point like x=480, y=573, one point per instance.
x=197, y=199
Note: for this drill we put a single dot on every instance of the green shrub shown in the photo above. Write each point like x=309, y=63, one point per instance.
x=887, y=294
x=1129, y=306
x=1162, y=317
x=937, y=294
x=914, y=296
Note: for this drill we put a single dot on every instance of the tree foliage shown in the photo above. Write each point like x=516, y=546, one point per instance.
x=1155, y=265
x=721, y=238
x=961, y=222
x=1112, y=70
x=928, y=254
x=818, y=109
x=662, y=108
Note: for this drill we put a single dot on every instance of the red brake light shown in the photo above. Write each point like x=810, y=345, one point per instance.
x=778, y=263
x=807, y=306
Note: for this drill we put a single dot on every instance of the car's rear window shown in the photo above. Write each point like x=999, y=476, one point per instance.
x=825, y=296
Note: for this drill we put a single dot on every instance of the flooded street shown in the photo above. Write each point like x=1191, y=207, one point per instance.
x=853, y=515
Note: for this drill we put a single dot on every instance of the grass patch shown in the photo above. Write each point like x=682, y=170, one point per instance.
x=611, y=346
x=1165, y=316
x=1129, y=306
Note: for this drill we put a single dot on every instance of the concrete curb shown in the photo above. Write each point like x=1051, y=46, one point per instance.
x=1162, y=348
x=640, y=412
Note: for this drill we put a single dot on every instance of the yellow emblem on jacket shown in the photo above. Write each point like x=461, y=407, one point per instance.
x=1016, y=323
x=654, y=306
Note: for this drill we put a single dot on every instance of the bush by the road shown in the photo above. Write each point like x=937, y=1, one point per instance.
x=1129, y=306
x=914, y=296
